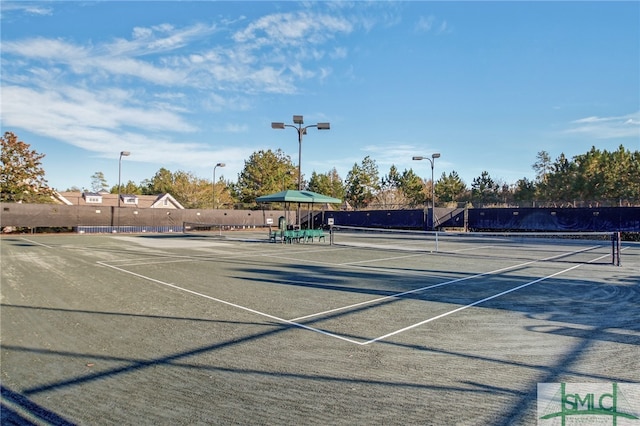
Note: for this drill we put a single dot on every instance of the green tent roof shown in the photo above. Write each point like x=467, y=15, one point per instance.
x=291, y=196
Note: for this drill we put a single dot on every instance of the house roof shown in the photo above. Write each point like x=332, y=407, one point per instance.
x=76, y=198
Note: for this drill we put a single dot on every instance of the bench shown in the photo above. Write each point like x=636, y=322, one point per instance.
x=310, y=234
x=297, y=235
x=292, y=235
x=275, y=236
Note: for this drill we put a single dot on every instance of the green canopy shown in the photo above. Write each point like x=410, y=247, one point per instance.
x=291, y=196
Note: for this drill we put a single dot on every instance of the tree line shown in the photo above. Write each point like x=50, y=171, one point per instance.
x=596, y=178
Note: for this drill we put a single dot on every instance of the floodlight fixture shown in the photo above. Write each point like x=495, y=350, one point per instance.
x=297, y=119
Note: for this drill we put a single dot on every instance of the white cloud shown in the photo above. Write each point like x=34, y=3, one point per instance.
x=197, y=59
x=394, y=153
x=143, y=70
x=298, y=70
x=135, y=93
x=103, y=123
x=608, y=127
x=339, y=53
x=84, y=60
x=157, y=39
x=430, y=23
x=50, y=112
x=28, y=8
x=142, y=33
x=235, y=128
x=154, y=54
x=425, y=24
x=38, y=10
x=444, y=28
x=45, y=49
x=287, y=29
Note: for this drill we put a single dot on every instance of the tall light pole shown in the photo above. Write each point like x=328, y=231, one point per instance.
x=433, y=186
x=122, y=154
x=297, y=119
x=298, y=122
x=214, y=182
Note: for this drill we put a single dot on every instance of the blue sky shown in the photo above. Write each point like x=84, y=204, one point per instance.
x=186, y=85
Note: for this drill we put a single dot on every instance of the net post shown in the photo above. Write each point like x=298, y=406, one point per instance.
x=615, y=248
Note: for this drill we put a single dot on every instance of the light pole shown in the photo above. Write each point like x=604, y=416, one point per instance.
x=433, y=186
x=297, y=119
x=122, y=154
x=214, y=182
x=284, y=188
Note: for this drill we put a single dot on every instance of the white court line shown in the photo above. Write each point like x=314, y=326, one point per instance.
x=473, y=248
x=479, y=301
x=379, y=299
x=295, y=321
x=160, y=259
x=36, y=243
x=282, y=320
x=386, y=258
x=319, y=262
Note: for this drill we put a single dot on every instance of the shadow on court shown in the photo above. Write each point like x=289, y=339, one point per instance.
x=581, y=301
x=15, y=405
x=545, y=373
x=201, y=362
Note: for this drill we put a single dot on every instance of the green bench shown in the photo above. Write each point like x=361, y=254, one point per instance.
x=298, y=235
x=291, y=235
x=311, y=234
x=275, y=235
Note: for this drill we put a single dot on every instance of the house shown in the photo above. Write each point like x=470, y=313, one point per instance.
x=105, y=199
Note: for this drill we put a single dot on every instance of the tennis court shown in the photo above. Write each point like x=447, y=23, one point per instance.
x=228, y=328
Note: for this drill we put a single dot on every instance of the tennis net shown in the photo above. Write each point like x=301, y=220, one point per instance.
x=530, y=245
x=220, y=229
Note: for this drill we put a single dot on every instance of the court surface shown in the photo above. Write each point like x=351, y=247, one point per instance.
x=183, y=329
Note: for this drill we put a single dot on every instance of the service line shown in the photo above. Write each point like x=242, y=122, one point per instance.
x=457, y=280
x=282, y=320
